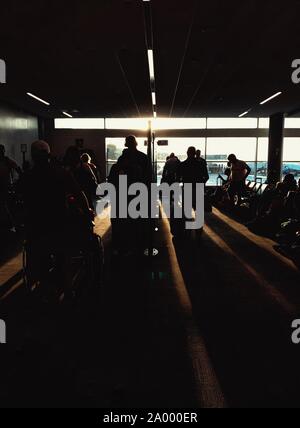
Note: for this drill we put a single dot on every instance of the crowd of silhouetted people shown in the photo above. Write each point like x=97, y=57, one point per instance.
x=59, y=195
x=278, y=214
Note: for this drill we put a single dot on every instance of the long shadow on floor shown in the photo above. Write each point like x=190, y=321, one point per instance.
x=122, y=348
x=248, y=335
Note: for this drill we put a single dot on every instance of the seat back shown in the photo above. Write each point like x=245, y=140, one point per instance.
x=264, y=187
x=257, y=187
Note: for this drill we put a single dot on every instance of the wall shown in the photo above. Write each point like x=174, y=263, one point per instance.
x=17, y=128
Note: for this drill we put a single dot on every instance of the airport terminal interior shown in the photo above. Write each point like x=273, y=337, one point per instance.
x=107, y=311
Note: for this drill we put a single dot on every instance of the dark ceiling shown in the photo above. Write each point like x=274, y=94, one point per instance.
x=212, y=58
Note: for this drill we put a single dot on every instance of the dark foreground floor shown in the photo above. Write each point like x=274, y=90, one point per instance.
x=207, y=324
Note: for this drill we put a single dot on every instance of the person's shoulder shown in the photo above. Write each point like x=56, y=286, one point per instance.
x=142, y=155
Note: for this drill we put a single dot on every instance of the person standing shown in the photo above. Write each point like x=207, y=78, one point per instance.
x=170, y=173
x=7, y=168
x=194, y=172
x=87, y=163
x=237, y=180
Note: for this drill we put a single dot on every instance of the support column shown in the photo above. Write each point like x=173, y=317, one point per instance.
x=276, y=140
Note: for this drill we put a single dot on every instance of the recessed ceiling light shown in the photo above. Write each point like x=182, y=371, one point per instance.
x=38, y=99
x=151, y=64
x=67, y=114
x=154, y=98
x=271, y=98
x=245, y=113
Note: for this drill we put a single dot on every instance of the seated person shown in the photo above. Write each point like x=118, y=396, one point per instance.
x=46, y=190
x=268, y=221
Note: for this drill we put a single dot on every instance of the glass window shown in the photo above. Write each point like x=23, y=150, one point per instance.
x=291, y=149
x=262, y=159
x=292, y=123
x=291, y=157
x=231, y=123
x=263, y=149
x=218, y=150
x=79, y=123
x=215, y=170
x=179, y=146
x=166, y=123
x=291, y=168
x=264, y=123
x=137, y=124
x=221, y=148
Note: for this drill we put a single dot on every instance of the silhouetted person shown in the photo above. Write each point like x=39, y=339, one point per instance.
x=194, y=172
x=227, y=174
x=203, y=164
x=48, y=190
x=129, y=234
x=171, y=170
x=239, y=173
x=289, y=184
x=82, y=173
x=87, y=163
x=137, y=163
x=120, y=233
x=7, y=168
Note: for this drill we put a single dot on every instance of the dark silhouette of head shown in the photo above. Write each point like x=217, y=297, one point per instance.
x=40, y=152
x=172, y=155
x=232, y=158
x=290, y=182
x=198, y=154
x=131, y=143
x=86, y=158
x=191, y=152
x=289, y=178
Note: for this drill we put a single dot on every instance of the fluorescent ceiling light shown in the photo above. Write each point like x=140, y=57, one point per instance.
x=67, y=114
x=38, y=99
x=244, y=114
x=154, y=98
x=271, y=98
x=151, y=64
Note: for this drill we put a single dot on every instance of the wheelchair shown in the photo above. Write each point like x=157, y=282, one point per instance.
x=72, y=265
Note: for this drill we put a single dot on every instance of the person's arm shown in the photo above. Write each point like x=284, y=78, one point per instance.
x=205, y=172
x=180, y=173
x=164, y=174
